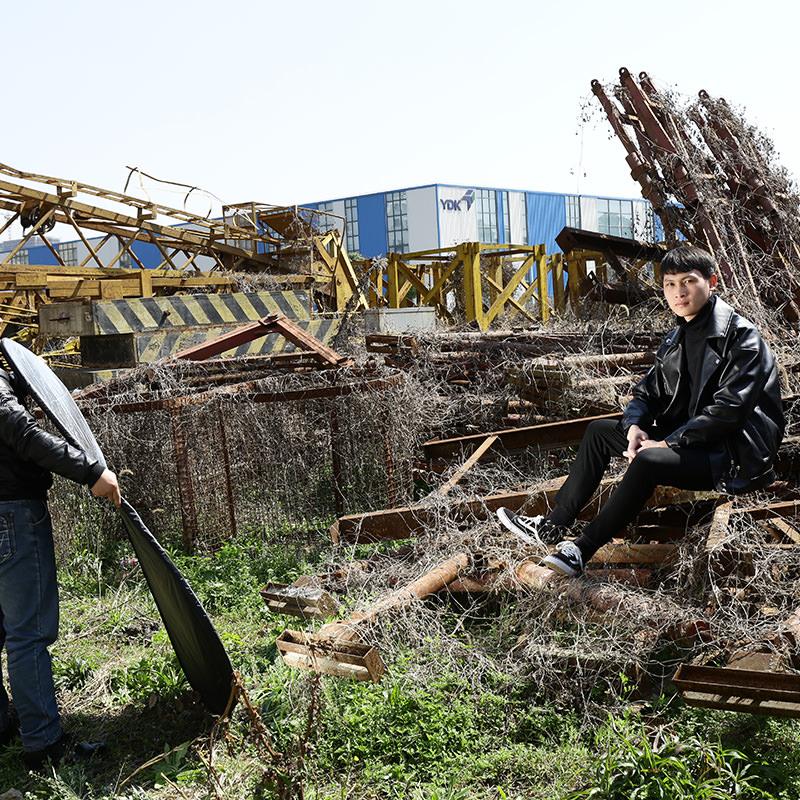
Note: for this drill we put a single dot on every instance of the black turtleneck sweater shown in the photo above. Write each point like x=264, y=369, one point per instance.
x=694, y=340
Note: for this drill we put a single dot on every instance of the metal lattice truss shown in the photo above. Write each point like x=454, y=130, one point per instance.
x=195, y=252
x=486, y=280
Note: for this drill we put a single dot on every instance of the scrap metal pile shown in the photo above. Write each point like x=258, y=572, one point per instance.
x=708, y=579
x=391, y=469
x=714, y=178
x=415, y=558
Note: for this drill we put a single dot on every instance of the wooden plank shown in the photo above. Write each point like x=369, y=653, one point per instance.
x=340, y=659
x=719, y=527
x=787, y=508
x=299, y=601
x=407, y=521
x=624, y=553
x=467, y=466
x=771, y=708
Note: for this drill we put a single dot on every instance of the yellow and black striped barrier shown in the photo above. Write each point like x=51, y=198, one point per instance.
x=140, y=314
x=115, y=351
x=189, y=310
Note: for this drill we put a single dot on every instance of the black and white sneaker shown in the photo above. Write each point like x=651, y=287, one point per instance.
x=537, y=530
x=567, y=559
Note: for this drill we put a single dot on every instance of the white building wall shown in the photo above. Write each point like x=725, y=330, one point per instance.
x=458, y=221
x=589, y=213
x=423, y=231
x=518, y=218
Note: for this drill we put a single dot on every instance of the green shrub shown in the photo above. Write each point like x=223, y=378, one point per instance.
x=639, y=766
x=72, y=672
x=152, y=676
x=396, y=733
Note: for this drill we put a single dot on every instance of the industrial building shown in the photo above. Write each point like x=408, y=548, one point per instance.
x=422, y=218
x=442, y=215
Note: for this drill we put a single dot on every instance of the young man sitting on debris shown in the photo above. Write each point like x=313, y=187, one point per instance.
x=707, y=415
x=28, y=590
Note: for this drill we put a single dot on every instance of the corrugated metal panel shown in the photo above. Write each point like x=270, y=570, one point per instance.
x=547, y=215
x=41, y=255
x=503, y=236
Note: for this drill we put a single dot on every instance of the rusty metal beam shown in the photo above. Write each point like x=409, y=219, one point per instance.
x=549, y=436
x=408, y=521
x=274, y=323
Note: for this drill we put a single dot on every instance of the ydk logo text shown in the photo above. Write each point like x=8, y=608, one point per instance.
x=455, y=205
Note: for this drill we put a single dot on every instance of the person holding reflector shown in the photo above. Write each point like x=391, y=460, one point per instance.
x=28, y=590
x=28, y=455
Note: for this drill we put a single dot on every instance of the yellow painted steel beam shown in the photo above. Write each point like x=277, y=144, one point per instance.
x=557, y=271
x=393, y=276
x=513, y=303
x=473, y=291
x=505, y=293
x=541, y=276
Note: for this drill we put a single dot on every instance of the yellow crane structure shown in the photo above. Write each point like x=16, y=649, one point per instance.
x=195, y=253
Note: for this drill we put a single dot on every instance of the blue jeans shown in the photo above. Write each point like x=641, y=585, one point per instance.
x=29, y=619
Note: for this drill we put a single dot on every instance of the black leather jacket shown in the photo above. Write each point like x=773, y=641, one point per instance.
x=29, y=454
x=737, y=417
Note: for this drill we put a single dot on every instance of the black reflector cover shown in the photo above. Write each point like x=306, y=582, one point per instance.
x=200, y=652
x=197, y=645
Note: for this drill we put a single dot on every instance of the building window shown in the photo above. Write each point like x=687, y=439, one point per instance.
x=397, y=222
x=69, y=253
x=487, y=216
x=506, y=219
x=615, y=217
x=351, y=217
x=20, y=258
x=573, y=211
x=523, y=238
x=125, y=260
x=322, y=222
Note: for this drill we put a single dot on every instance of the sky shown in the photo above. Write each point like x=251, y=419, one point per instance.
x=285, y=103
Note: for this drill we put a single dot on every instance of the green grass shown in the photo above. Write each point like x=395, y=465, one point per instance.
x=441, y=739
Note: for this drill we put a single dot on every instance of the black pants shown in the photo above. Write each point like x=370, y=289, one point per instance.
x=657, y=466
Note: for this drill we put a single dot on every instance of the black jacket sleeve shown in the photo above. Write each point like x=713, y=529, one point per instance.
x=646, y=403
x=741, y=382
x=21, y=434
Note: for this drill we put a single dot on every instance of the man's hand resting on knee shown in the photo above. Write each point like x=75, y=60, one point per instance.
x=106, y=486
x=636, y=439
x=639, y=440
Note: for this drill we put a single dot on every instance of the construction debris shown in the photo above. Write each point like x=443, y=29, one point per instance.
x=713, y=178
x=345, y=446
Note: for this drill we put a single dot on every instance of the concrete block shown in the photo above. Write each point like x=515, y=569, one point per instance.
x=400, y=320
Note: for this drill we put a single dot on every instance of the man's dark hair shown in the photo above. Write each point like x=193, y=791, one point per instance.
x=685, y=258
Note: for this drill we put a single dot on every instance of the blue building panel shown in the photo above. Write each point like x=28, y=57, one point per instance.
x=41, y=255
x=502, y=233
x=547, y=215
x=148, y=254
x=373, y=234
x=658, y=228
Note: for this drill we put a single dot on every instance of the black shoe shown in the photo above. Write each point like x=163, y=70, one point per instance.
x=537, y=531
x=567, y=559
x=35, y=760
